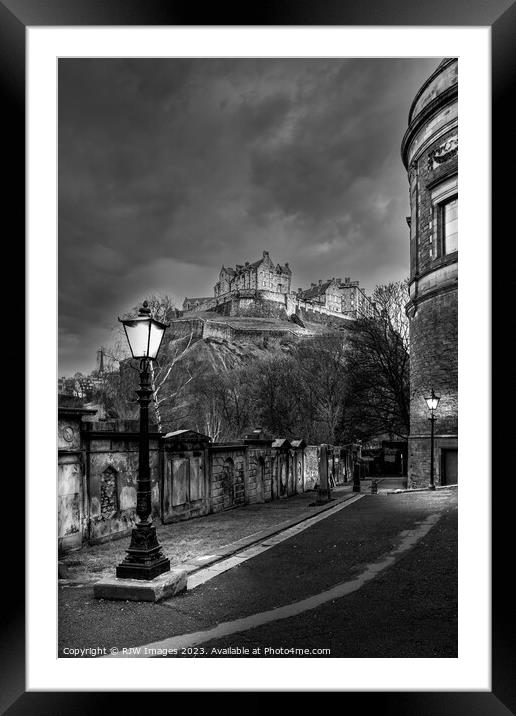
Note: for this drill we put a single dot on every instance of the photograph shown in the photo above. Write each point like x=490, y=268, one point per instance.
x=246, y=347
x=245, y=350
x=258, y=357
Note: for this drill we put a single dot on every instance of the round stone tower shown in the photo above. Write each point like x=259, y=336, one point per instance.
x=429, y=153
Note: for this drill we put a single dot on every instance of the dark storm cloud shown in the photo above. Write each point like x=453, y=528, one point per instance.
x=169, y=168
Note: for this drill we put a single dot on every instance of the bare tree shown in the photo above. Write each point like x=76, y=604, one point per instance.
x=205, y=403
x=390, y=300
x=378, y=365
x=168, y=383
x=162, y=308
x=323, y=368
x=167, y=388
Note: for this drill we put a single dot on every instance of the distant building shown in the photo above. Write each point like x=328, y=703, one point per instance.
x=84, y=386
x=190, y=304
x=355, y=301
x=76, y=387
x=65, y=385
x=325, y=293
x=263, y=288
x=429, y=151
x=100, y=361
x=340, y=296
x=262, y=275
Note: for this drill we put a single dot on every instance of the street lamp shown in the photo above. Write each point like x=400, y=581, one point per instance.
x=432, y=401
x=145, y=558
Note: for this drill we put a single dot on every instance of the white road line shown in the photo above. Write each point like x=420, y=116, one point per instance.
x=214, y=570
x=408, y=538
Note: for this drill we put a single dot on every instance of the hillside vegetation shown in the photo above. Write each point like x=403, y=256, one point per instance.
x=225, y=376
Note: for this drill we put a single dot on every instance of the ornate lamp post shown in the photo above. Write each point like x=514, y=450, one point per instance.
x=145, y=558
x=432, y=401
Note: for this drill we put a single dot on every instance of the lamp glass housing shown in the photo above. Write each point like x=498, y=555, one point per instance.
x=433, y=401
x=144, y=336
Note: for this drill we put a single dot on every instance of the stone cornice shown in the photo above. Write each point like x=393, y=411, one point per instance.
x=420, y=298
x=63, y=411
x=418, y=436
x=436, y=265
x=228, y=448
x=446, y=97
x=438, y=70
x=114, y=435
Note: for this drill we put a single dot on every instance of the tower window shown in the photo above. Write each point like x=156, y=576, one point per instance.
x=445, y=218
x=449, y=225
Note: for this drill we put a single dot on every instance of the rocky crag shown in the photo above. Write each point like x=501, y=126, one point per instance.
x=222, y=343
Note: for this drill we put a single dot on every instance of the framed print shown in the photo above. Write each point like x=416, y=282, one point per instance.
x=264, y=204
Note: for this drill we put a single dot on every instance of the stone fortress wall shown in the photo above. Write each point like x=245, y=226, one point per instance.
x=263, y=290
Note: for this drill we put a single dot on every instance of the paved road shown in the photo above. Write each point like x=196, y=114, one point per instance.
x=409, y=609
x=182, y=542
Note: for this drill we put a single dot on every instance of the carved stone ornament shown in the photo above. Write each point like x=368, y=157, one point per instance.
x=443, y=153
x=412, y=171
x=68, y=434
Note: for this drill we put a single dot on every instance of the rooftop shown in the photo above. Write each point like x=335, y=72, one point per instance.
x=240, y=268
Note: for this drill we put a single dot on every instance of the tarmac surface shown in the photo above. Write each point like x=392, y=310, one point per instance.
x=215, y=534
x=408, y=608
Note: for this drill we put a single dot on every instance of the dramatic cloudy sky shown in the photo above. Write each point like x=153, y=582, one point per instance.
x=169, y=168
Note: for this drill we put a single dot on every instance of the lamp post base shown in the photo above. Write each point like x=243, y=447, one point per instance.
x=431, y=487
x=323, y=496
x=145, y=558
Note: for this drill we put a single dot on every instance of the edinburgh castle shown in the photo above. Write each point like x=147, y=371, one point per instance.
x=262, y=289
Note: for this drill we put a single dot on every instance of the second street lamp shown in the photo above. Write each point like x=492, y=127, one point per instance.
x=145, y=558
x=432, y=401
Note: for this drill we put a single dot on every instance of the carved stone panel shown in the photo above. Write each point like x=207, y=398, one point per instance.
x=179, y=481
x=109, y=493
x=443, y=153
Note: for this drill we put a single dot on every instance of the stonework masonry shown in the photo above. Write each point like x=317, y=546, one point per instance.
x=429, y=152
x=190, y=475
x=111, y=467
x=262, y=275
x=434, y=324
x=262, y=289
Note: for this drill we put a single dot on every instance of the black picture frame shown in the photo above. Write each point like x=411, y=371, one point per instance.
x=500, y=15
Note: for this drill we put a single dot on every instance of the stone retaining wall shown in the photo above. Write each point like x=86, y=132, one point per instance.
x=190, y=477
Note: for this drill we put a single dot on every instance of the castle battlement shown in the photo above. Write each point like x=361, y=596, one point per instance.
x=263, y=288
x=261, y=275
